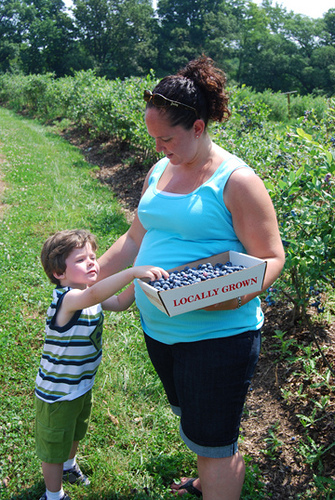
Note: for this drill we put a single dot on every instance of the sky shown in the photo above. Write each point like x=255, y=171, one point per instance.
x=309, y=8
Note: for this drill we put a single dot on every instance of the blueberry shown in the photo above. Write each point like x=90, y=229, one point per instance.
x=189, y=276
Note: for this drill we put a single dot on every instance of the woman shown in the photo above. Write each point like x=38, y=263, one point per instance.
x=197, y=201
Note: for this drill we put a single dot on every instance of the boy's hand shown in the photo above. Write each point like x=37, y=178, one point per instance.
x=151, y=272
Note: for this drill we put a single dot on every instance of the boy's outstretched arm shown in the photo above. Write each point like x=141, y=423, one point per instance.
x=120, y=302
x=77, y=299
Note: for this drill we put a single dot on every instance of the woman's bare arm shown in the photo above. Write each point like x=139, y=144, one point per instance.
x=256, y=226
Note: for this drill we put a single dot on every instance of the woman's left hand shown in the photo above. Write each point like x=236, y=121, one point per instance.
x=227, y=305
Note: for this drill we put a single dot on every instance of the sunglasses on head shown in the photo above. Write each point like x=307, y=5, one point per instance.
x=159, y=101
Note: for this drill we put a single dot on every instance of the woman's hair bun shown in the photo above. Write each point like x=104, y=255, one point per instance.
x=211, y=81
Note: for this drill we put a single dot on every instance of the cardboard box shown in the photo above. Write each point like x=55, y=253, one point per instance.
x=209, y=292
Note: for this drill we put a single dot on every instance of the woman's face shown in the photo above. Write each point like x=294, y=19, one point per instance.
x=179, y=145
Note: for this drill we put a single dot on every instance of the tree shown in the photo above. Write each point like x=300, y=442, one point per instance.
x=259, y=46
x=10, y=33
x=93, y=19
x=322, y=75
x=134, y=49
x=49, y=37
x=277, y=51
x=220, y=43
x=36, y=36
x=186, y=27
x=329, y=22
x=118, y=35
x=252, y=39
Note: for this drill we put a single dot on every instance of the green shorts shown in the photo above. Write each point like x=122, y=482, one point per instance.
x=58, y=424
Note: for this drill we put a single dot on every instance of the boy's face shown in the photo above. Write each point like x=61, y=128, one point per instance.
x=82, y=268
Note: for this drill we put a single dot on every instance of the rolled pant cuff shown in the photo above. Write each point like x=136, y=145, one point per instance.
x=209, y=451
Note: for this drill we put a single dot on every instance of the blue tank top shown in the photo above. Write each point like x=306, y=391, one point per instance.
x=181, y=229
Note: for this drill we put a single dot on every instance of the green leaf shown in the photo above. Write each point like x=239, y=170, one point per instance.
x=292, y=177
x=329, y=156
x=304, y=134
x=300, y=171
x=269, y=186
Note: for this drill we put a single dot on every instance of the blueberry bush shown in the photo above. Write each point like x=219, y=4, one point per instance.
x=298, y=167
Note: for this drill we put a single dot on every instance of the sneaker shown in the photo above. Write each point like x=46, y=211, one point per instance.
x=65, y=497
x=75, y=476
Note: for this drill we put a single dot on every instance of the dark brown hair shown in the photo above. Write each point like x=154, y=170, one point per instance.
x=58, y=247
x=200, y=85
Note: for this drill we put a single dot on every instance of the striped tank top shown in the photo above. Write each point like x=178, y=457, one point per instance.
x=71, y=354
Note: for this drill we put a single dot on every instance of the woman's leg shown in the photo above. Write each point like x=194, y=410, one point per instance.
x=221, y=478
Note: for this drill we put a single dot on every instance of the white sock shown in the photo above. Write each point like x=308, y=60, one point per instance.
x=58, y=495
x=69, y=463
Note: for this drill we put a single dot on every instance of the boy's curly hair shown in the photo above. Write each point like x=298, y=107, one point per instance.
x=58, y=247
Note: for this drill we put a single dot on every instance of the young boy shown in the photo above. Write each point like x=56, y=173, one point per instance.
x=72, y=350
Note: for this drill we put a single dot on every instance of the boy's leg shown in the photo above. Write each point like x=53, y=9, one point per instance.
x=57, y=437
x=71, y=470
x=74, y=449
x=52, y=476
